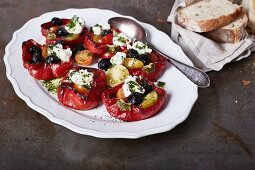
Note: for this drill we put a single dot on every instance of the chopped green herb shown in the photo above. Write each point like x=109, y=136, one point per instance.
x=123, y=106
x=72, y=22
x=71, y=73
x=112, y=48
x=52, y=85
x=51, y=35
x=149, y=68
x=161, y=84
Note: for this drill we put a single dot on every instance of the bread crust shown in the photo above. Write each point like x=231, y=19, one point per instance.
x=206, y=25
x=251, y=13
x=229, y=35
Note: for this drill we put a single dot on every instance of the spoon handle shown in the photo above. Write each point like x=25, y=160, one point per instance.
x=195, y=75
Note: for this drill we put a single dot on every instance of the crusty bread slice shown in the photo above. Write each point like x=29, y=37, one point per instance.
x=251, y=14
x=249, y=8
x=232, y=33
x=245, y=4
x=189, y=2
x=208, y=15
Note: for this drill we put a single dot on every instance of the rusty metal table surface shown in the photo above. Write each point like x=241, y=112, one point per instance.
x=218, y=134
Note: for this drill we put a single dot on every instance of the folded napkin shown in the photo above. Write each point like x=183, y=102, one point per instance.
x=204, y=53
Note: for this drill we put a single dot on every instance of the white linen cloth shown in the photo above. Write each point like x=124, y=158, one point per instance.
x=205, y=53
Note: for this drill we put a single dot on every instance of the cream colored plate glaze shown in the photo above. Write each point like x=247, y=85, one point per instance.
x=182, y=94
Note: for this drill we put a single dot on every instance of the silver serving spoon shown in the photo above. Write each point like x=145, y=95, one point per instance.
x=136, y=32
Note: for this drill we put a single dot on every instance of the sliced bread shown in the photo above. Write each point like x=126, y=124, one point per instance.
x=251, y=14
x=208, y=15
x=245, y=4
x=232, y=33
x=189, y=2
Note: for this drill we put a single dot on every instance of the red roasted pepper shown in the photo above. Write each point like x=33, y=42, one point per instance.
x=42, y=70
x=159, y=62
x=98, y=48
x=70, y=40
x=135, y=113
x=70, y=97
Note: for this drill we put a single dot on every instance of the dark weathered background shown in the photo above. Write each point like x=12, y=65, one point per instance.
x=218, y=134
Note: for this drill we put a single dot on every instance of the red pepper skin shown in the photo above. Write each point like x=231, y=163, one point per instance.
x=70, y=43
x=69, y=97
x=107, y=55
x=136, y=113
x=160, y=66
x=107, y=39
x=95, y=48
x=42, y=71
x=99, y=48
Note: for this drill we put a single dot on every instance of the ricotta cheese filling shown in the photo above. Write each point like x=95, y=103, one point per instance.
x=140, y=47
x=120, y=39
x=75, y=26
x=118, y=58
x=99, y=28
x=81, y=77
x=131, y=86
x=58, y=50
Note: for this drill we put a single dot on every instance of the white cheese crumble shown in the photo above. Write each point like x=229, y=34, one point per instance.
x=130, y=86
x=140, y=47
x=120, y=39
x=118, y=58
x=99, y=28
x=63, y=54
x=81, y=77
x=75, y=26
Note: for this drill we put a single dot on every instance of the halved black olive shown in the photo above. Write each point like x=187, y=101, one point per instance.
x=56, y=21
x=53, y=59
x=105, y=32
x=36, y=58
x=78, y=48
x=135, y=98
x=146, y=87
x=60, y=42
x=34, y=49
x=91, y=30
x=61, y=31
x=144, y=58
x=133, y=53
x=104, y=64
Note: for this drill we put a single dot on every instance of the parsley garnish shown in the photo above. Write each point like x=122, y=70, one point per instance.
x=52, y=85
x=72, y=22
x=161, y=84
x=123, y=106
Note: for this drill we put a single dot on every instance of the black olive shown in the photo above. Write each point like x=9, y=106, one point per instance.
x=104, y=64
x=146, y=87
x=56, y=21
x=144, y=58
x=52, y=59
x=78, y=48
x=36, y=58
x=135, y=98
x=91, y=30
x=60, y=42
x=133, y=53
x=34, y=49
x=61, y=31
x=105, y=32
